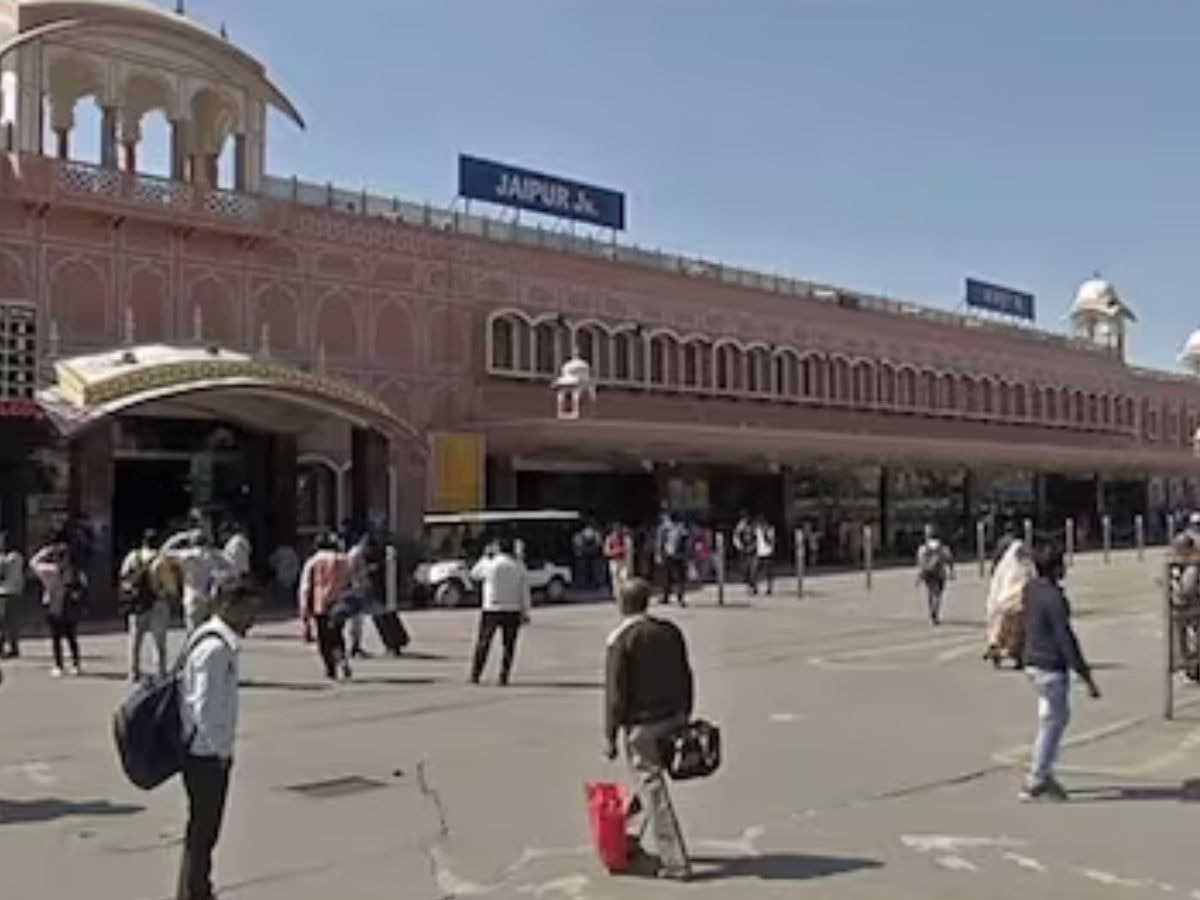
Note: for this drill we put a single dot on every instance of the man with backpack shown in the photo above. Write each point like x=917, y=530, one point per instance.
x=208, y=713
x=745, y=548
x=934, y=564
x=148, y=610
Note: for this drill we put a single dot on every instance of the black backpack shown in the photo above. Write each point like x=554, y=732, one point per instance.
x=692, y=752
x=148, y=728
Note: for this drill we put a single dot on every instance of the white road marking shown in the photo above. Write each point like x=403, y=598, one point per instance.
x=1025, y=862
x=956, y=864
x=1017, y=755
x=449, y=883
x=39, y=773
x=949, y=843
x=1108, y=878
x=783, y=717
x=569, y=886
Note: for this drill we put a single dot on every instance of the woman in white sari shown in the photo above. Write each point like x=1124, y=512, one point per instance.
x=1005, y=604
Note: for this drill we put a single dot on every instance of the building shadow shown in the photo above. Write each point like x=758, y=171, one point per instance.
x=778, y=867
x=565, y=684
x=393, y=680
x=1186, y=792
x=13, y=812
x=299, y=687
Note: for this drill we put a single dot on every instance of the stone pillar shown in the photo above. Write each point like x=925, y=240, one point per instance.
x=62, y=143
x=130, y=152
x=241, y=166
x=180, y=136
x=92, y=483
x=108, y=137
x=369, y=458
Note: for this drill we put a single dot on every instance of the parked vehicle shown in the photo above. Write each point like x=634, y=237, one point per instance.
x=453, y=542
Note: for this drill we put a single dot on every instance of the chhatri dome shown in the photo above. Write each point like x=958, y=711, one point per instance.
x=1099, y=315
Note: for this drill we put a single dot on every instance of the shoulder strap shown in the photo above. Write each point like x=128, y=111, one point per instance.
x=191, y=646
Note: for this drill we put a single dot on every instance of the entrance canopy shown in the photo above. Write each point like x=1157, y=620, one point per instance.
x=205, y=382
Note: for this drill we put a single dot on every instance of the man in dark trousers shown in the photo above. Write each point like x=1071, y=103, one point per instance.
x=209, y=713
x=648, y=697
x=1051, y=654
x=506, y=604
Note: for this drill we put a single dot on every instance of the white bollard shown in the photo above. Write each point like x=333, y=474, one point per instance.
x=1070, y=541
x=1029, y=533
x=1139, y=530
x=868, y=554
x=720, y=568
x=981, y=546
x=801, y=559
x=391, y=579
x=1106, y=524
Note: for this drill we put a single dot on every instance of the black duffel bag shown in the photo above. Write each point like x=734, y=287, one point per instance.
x=694, y=751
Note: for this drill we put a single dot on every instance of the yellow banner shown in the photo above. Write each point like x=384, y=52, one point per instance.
x=457, y=472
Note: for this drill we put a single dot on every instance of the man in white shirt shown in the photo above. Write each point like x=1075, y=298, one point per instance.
x=506, y=605
x=764, y=555
x=237, y=551
x=12, y=589
x=208, y=716
x=203, y=565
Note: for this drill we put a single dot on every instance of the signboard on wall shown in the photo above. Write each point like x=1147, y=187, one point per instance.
x=482, y=179
x=997, y=299
x=457, y=472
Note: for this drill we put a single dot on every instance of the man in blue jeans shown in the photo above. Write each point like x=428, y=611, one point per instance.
x=1051, y=654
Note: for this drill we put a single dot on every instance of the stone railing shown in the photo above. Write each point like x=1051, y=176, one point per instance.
x=45, y=179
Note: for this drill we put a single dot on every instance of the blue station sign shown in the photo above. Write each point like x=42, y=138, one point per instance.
x=493, y=182
x=997, y=299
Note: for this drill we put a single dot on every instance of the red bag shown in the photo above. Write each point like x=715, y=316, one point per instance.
x=606, y=815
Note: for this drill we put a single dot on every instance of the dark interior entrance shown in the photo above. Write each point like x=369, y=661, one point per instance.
x=149, y=493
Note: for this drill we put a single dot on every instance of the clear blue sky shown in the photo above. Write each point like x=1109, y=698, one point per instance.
x=887, y=145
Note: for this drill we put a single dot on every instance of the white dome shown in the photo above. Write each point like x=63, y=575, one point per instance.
x=1191, y=349
x=1096, y=295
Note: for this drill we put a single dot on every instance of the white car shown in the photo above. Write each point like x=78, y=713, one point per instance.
x=449, y=582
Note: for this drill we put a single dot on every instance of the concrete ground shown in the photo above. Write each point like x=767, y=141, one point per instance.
x=868, y=755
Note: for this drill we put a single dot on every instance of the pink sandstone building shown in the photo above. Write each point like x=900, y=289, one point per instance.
x=302, y=355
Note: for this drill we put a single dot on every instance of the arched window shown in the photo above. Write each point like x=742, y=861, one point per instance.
x=504, y=344
x=1037, y=404
x=550, y=340
x=887, y=385
x=840, y=378
x=758, y=371
x=787, y=374
x=908, y=388
x=1018, y=397
x=316, y=497
x=949, y=393
x=987, y=398
x=969, y=395
x=730, y=362
x=814, y=374
x=1093, y=410
x=664, y=361
x=1005, y=393
x=691, y=364
x=1051, y=405
x=1106, y=410
x=593, y=344
x=864, y=384
x=1079, y=401
x=930, y=391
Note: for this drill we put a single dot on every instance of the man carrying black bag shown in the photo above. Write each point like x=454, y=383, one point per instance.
x=648, y=697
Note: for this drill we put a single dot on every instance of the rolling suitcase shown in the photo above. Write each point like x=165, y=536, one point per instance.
x=391, y=631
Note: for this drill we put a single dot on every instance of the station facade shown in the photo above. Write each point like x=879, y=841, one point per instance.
x=378, y=356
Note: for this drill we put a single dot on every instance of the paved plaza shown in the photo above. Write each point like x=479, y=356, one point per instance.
x=868, y=755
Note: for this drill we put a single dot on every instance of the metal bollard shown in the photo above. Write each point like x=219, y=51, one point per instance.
x=869, y=554
x=1070, y=541
x=1106, y=524
x=981, y=546
x=1170, y=529
x=720, y=560
x=801, y=559
x=1029, y=533
x=1139, y=530
x=1168, y=647
x=391, y=583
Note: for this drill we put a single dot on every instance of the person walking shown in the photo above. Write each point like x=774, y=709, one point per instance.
x=1005, y=609
x=617, y=553
x=1052, y=652
x=744, y=547
x=147, y=609
x=764, y=556
x=208, y=718
x=62, y=595
x=935, y=563
x=648, y=696
x=671, y=545
x=285, y=572
x=506, y=604
x=324, y=582
x=364, y=564
x=238, y=553
x=12, y=590
x=203, y=567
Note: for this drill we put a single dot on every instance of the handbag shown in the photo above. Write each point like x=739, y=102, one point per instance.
x=694, y=751
x=606, y=816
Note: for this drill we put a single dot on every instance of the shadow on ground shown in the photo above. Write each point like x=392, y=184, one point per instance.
x=1187, y=792
x=50, y=809
x=778, y=866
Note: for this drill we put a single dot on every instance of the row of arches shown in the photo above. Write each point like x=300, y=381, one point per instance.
x=630, y=356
